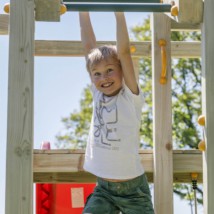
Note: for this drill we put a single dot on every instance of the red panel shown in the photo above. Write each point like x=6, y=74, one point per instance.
x=64, y=203
x=57, y=198
x=44, y=198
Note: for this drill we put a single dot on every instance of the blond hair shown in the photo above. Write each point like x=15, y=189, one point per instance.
x=99, y=54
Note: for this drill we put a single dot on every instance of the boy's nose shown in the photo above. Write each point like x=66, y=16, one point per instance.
x=105, y=76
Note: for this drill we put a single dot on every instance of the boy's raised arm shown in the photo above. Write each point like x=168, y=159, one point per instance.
x=123, y=49
x=87, y=34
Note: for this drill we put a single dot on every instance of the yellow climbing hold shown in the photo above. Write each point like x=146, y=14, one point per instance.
x=202, y=146
x=63, y=9
x=174, y=10
x=163, y=80
x=132, y=49
x=7, y=8
x=201, y=120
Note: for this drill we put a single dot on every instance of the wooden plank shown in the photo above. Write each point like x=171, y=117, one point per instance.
x=190, y=11
x=143, y=49
x=19, y=176
x=185, y=49
x=162, y=114
x=84, y=177
x=4, y=23
x=67, y=165
x=208, y=103
x=177, y=26
x=47, y=10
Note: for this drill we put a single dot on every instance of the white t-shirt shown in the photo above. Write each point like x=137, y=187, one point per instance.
x=113, y=143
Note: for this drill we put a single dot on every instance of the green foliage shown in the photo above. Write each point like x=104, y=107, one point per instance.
x=186, y=92
x=186, y=101
x=77, y=125
x=186, y=104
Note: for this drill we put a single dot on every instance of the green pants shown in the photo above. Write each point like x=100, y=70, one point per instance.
x=128, y=197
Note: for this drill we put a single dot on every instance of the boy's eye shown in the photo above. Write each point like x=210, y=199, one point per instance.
x=109, y=70
x=96, y=74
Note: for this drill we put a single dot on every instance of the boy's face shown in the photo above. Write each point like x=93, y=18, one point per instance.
x=107, y=77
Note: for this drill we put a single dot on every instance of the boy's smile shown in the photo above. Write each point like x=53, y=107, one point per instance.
x=107, y=77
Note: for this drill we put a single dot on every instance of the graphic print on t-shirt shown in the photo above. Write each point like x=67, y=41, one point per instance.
x=105, y=124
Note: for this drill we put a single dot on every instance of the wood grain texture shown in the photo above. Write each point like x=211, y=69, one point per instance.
x=162, y=118
x=208, y=103
x=46, y=10
x=143, y=49
x=19, y=164
x=67, y=165
x=177, y=26
x=4, y=23
x=190, y=12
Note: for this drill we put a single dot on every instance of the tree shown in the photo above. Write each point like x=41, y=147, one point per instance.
x=77, y=124
x=186, y=91
x=186, y=100
x=186, y=104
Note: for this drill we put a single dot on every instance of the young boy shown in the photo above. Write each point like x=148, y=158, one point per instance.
x=112, y=148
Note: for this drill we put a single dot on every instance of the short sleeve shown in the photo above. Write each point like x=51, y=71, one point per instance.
x=137, y=98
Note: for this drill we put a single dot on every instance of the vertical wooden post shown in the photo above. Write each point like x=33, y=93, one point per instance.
x=19, y=175
x=162, y=119
x=208, y=104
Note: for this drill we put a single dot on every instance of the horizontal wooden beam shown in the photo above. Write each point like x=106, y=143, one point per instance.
x=143, y=49
x=61, y=166
x=74, y=48
x=177, y=26
x=4, y=23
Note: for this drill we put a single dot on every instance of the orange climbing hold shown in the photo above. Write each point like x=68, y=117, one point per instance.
x=174, y=10
x=162, y=44
x=132, y=49
x=163, y=80
x=201, y=120
x=63, y=9
x=202, y=146
x=7, y=8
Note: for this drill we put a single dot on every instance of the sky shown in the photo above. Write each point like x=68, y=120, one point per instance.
x=59, y=83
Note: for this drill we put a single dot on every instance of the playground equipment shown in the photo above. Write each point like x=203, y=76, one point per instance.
x=61, y=198
x=164, y=165
x=63, y=8
x=194, y=187
x=7, y=8
x=137, y=7
x=162, y=44
x=201, y=122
